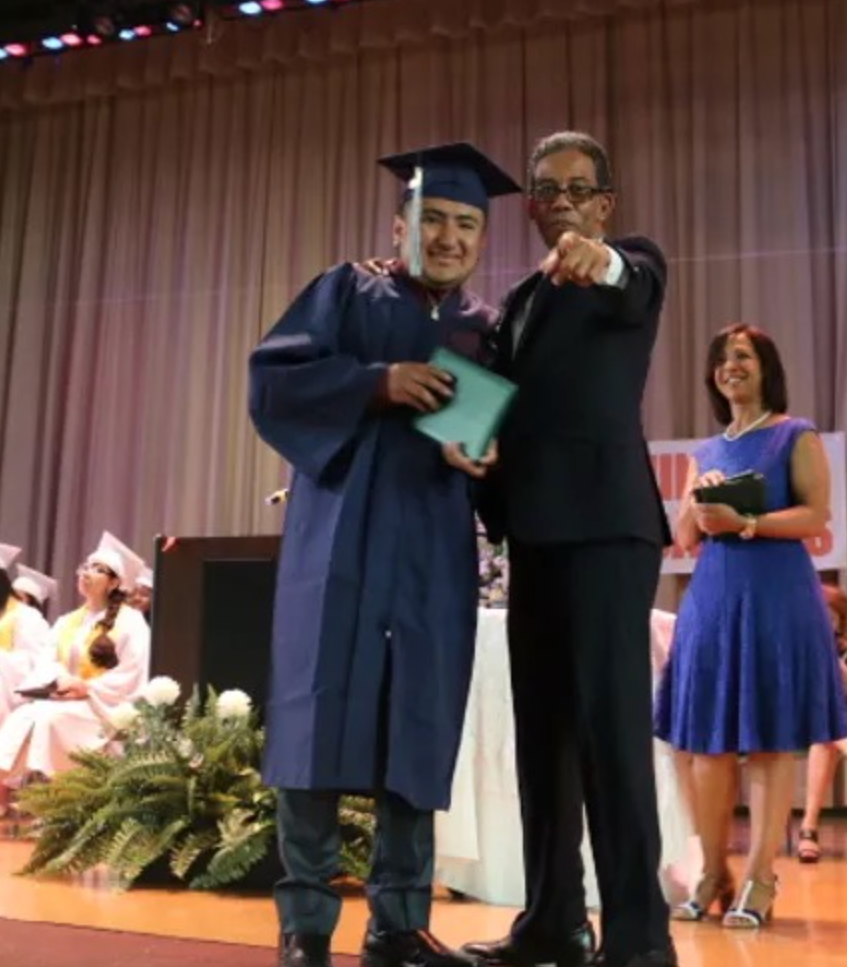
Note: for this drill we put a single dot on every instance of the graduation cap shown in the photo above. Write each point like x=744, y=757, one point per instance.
x=29, y=581
x=8, y=553
x=456, y=172
x=119, y=558
x=145, y=579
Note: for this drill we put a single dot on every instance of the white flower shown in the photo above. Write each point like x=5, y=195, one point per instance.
x=233, y=704
x=185, y=748
x=123, y=716
x=161, y=691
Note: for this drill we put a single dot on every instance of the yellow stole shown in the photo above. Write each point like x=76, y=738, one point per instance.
x=7, y=624
x=68, y=638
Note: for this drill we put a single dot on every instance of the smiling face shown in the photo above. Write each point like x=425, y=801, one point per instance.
x=738, y=373
x=452, y=239
x=744, y=368
x=566, y=197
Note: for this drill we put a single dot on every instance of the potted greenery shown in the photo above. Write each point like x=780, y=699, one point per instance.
x=179, y=786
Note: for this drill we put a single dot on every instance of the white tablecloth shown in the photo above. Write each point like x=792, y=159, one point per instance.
x=478, y=842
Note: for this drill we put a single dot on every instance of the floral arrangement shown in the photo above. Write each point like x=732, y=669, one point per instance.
x=183, y=787
x=493, y=572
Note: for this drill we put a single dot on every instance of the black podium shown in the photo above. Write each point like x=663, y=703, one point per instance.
x=213, y=612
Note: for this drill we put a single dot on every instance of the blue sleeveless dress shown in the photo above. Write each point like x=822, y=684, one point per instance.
x=753, y=666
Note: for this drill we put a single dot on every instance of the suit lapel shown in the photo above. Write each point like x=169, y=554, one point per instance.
x=511, y=308
x=538, y=289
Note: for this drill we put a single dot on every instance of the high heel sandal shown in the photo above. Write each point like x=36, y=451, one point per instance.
x=712, y=888
x=753, y=907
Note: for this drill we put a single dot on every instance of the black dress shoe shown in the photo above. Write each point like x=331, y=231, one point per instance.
x=663, y=957
x=577, y=951
x=666, y=957
x=304, y=950
x=411, y=948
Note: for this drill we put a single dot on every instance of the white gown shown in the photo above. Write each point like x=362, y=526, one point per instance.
x=30, y=644
x=479, y=848
x=39, y=735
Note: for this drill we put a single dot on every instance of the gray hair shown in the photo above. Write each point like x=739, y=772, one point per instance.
x=572, y=141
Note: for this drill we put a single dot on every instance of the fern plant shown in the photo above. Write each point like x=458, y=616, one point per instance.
x=185, y=787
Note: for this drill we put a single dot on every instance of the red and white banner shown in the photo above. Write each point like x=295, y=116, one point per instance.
x=829, y=551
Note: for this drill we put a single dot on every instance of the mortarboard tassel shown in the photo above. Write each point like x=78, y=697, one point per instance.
x=414, y=223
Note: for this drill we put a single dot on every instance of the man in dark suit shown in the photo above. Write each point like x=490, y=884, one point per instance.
x=576, y=498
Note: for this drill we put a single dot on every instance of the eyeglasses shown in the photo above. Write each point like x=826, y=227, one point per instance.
x=577, y=193
x=86, y=568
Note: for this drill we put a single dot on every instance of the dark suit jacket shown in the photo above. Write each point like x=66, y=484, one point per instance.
x=574, y=464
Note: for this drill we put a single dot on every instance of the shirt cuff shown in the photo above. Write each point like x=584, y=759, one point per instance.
x=616, y=273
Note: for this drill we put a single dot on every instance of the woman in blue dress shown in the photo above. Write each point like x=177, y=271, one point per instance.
x=752, y=669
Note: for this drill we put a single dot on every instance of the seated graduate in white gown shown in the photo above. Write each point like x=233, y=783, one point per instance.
x=141, y=596
x=24, y=633
x=34, y=588
x=24, y=641
x=102, y=656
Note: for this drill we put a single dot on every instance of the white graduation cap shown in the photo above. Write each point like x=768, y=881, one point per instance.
x=8, y=553
x=116, y=556
x=29, y=581
x=145, y=579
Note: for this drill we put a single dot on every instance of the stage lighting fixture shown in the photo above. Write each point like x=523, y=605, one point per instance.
x=99, y=22
x=103, y=25
x=183, y=14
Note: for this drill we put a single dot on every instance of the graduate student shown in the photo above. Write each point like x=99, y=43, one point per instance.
x=377, y=584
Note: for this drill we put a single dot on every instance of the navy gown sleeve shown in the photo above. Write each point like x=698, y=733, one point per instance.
x=309, y=393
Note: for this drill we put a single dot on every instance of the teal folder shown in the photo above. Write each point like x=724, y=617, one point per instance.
x=474, y=414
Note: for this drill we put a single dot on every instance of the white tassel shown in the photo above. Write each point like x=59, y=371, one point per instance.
x=413, y=224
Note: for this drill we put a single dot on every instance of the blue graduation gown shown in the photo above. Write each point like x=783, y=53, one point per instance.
x=377, y=588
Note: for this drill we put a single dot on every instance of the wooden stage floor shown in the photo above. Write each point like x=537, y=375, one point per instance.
x=809, y=930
